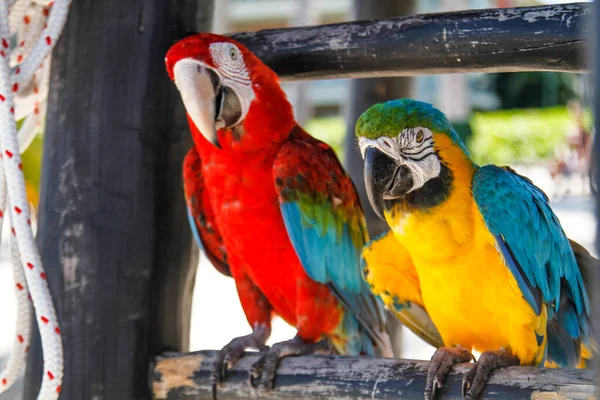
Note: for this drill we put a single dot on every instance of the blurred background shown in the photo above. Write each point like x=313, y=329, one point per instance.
x=540, y=123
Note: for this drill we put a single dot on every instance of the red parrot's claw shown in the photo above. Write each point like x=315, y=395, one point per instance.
x=231, y=353
x=266, y=367
x=442, y=361
x=475, y=380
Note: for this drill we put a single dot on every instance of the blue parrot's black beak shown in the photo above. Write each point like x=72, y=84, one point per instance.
x=385, y=180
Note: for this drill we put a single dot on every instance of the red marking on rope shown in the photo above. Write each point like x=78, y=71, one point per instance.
x=18, y=210
x=17, y=71
x=13, y=231
x=30, y=265
x=2, y=53
x=43, y=276
x=2, y=98
x=20, y=338
x=36, y=110
x=21, y=167
x=20, y=58
x=27, y=349
x=44, y=319
x=12, y=111
x=1, y=213
x=19, y=286
x=50, y=375
x=26, y=20
x=28, y=222
x=4, y=381
x=22, y=44
x=36, y=90
x=4, y=43
x=46, y=12
x=29, y=297
x=16, y=85
x=58, y=389
x=9, y=154
x=48, y=40
x=57, y=330
x=45, y=26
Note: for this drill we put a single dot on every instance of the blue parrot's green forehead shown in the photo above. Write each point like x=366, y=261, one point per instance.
x=392, y=117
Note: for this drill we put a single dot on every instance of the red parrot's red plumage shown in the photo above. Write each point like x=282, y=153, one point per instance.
x=271, y=206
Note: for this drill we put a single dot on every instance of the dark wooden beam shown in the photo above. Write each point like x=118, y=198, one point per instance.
x=548, y=38
x=113, y=232
x=178, y=377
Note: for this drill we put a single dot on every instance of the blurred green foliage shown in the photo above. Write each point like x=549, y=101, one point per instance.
x=499, y=137
x=32, y=167
x=32, y=161
x=519, y=135
x=331, y=130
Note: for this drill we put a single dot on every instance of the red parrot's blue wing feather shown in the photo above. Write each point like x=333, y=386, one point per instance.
x=326, y=225
x=201, y=215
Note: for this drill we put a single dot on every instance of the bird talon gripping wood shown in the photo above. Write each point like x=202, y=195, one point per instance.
x=475, y=259
x=270, y=205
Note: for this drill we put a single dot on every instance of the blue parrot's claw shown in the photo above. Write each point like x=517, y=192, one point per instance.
x=266, y=367
x=231, y=353
x=442, y=361
x=475, y=380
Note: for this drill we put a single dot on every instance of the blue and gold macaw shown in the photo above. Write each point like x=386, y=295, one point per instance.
x=475, y=259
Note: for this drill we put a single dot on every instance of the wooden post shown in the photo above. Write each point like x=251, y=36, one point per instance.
x=366, y=92
x=330, y=377
x=363, y=94
x=113, y=231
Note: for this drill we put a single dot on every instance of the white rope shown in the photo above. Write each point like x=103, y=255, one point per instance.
x=28, y=33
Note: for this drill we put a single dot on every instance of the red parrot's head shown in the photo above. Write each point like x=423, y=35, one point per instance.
x=227, y=89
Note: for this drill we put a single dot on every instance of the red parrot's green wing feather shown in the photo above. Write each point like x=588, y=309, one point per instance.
x=326, y=225
x=201, y=215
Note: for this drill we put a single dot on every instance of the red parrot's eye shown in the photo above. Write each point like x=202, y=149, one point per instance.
x=233, y=54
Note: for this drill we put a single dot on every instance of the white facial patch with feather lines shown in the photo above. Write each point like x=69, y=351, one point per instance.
x=231, y=66
x=228, y=58
x=414, y=148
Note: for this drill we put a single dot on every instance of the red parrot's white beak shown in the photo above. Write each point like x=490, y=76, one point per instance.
x=198, y=85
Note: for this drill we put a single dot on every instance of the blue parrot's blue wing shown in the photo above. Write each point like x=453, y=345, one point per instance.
x=326, y=225
x=537, y=252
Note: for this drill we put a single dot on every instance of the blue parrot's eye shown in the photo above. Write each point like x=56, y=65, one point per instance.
x=419, y=137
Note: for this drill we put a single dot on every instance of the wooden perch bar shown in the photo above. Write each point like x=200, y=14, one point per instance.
x=186, y=376
x=550, y=38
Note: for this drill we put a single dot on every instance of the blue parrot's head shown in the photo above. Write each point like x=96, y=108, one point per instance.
x=410, y=150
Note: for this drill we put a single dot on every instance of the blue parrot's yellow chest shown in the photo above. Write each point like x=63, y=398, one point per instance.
x=469, y=293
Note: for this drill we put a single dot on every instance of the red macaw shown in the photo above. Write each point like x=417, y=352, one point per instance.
x=272, y=207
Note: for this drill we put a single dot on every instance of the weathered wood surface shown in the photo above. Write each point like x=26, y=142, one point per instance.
x=178, y=377
x=551, y=38
x=113, y=230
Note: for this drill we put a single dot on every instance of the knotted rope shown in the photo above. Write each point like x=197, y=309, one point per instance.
x=28, y=31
